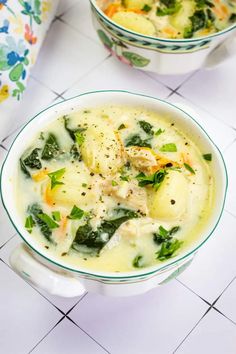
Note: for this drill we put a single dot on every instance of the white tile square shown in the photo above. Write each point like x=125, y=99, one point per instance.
x=214, y=266
x=171, y=81
x=229, y=156
x=214, y=90
x=64, y=304
x=25, y=315
x=214, y=334
x=65, y=57
x=220, y=132
x=79, y=17
x=36, y=98
x=227, y=304
x=68, y=338
x=150, y=323
x=112, y=74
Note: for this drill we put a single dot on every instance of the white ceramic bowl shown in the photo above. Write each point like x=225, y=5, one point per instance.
x=57, y=277
x=160, y=55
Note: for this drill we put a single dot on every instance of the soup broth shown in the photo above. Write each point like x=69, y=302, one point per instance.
x=114, y=188
x=171, y=18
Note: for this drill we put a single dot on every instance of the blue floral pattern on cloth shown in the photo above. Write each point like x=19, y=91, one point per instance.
x=22, y=27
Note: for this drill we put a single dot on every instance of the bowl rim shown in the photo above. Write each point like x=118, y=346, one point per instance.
x=159, y=39
x=152, y=270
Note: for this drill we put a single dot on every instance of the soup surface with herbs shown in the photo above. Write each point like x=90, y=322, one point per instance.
x=114, y=188
x=171, y=18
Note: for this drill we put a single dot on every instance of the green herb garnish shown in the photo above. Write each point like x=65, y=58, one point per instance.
x=168, y=7
x=168, y=148
x=114, y=183
x=138, y=261
x=207, y=157
x=33, y=160
x=55, y=176
x=164, y=235
x=168, y=248
x=79, y=138
x=29, y=223
x=56, y=215
x=155, y=180
x=159, y=131
x=76, y=213
x=189, y=168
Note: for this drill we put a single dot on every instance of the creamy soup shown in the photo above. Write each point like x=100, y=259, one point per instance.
x=114, y=188
x=171, y=18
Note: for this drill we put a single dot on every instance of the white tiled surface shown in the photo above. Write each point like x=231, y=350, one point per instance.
x=175, y=317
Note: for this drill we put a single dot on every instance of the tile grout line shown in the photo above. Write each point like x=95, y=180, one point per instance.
x=191, y=330
x=88, y=334
x=230, y=213
x=80, y=299
x=4, y=244
x=61, y=319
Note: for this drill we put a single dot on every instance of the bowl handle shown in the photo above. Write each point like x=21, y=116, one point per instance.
x=222, y=52
x=44, y=278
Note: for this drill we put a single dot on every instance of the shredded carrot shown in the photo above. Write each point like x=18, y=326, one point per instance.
x=48, y=196
x=40, y=176
x=221, y=11
x=63, y=224
x=186, y=159
x=112, y=9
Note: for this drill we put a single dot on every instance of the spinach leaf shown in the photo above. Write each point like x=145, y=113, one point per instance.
x=138, y=261
x=207, y=157
x=155, y=180
x=51, y=148
x=164, y=235
x=147, y=127
x=146, y=8
x=32, y=160
x=97, y=239
x=168, y=248
x=136, y=140
x=24, y=169
x=75, y=133
x=168, y=7
x=74, y=152
x=35, y=210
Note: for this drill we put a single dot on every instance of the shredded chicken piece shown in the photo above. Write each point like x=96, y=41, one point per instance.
x=146, y=160
x=128, y=193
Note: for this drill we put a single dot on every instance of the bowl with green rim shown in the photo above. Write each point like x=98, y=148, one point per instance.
x=33, y=262
x=162, y=55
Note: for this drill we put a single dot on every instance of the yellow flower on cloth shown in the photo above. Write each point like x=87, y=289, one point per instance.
x=46, y=8
x=4, y=93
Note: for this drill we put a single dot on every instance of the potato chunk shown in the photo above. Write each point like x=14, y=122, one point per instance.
x=134, y=22
x=101, y=150
x=169, y=202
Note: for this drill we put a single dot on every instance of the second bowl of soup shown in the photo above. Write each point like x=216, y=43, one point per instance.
x=167, y=37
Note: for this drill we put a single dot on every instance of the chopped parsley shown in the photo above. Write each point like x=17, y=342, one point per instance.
x=56, y=215
x=168, y=248
x=55, y=176
x=171, y=147
x=155, y=180
x=189, y=168
x=29, y=223
x=76, y=213
x=146, y=127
